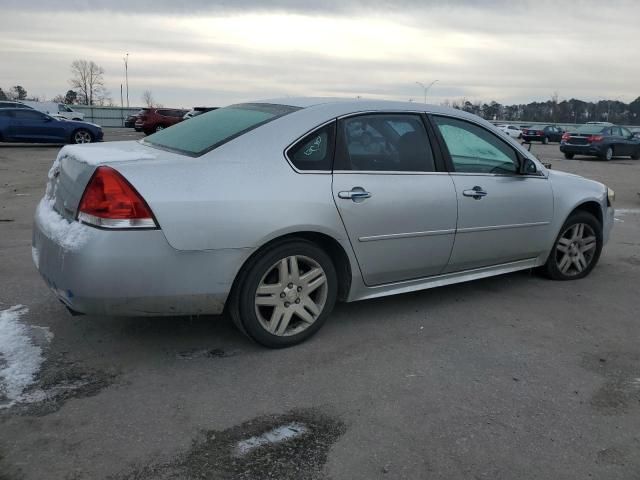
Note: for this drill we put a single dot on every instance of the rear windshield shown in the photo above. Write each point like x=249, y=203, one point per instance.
x=590, y=129
x=205, y=132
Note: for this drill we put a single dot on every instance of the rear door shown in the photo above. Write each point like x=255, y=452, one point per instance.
x=503, y=216
x=398, y=207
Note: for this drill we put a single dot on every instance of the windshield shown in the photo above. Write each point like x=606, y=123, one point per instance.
x=205, y=132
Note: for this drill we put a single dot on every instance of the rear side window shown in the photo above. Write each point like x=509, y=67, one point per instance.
x=205, y=132
x=315, y=151
x=384, y=142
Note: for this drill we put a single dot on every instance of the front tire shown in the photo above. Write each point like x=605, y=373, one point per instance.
x=568, y=156
x=577, y=248
x=285, y=295
x=636, y=155
x=159, y=128
x=81, y=136
x=545, y=140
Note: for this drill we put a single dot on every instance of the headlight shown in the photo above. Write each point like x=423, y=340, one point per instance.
x=611, y=196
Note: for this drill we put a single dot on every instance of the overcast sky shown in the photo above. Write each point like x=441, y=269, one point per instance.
x=212, y=52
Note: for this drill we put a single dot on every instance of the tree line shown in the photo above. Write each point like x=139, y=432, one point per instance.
x=554, y=111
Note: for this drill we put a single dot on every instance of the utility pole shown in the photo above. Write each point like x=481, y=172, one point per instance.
x=126, y=75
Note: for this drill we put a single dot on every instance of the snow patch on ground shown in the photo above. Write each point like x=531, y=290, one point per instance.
x=69, y=235
x=277, y=435
x=20, y=358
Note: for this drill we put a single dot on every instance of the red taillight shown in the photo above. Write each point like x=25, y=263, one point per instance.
x=540, y=133
x=595, y=138
x=109, y=201
x=566, y=136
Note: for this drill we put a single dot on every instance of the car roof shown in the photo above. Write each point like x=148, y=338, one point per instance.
x=345, y=106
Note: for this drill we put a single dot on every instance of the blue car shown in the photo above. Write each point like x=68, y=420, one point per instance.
x=26, y=125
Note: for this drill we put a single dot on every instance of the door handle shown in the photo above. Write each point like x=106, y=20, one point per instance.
x=476, y=192
x=357, y=194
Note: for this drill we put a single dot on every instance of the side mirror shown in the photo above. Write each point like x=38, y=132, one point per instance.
x=527, y=166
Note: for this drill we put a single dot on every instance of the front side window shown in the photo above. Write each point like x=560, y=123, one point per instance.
x=384, y=142
x=474, y=149
x=315, y=151
x=205, y=132
x=625, y=132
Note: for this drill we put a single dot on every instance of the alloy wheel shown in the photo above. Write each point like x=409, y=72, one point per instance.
x=291, y=295
x=576, y=249
x=82, y=136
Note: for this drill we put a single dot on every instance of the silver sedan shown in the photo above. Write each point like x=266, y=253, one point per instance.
x=272, y=211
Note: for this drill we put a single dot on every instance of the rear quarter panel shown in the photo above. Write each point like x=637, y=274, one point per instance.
x=240, y=195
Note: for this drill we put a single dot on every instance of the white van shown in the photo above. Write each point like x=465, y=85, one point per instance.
x=55, y=109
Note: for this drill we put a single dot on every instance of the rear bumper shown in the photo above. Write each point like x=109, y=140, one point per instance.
x=133, y=273
x=591, y=149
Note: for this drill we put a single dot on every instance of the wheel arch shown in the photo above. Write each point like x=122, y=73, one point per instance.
x=589, y=206
x=328, y=243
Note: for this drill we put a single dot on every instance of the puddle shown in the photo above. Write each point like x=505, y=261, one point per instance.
x=206, y=353
x=285, y=447
x=621, y=389
x=57, y=382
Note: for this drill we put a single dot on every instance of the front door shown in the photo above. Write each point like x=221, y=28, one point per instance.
x=398, y=210
x=34, y=126
x=503, y=216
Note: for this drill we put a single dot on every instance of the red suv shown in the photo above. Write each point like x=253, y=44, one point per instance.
x=152, y=120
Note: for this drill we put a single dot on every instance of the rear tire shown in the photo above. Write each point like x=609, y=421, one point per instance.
x=568, y=156
x=608, y=154
x=545, y=140
x=279, y=302
x=577, y=248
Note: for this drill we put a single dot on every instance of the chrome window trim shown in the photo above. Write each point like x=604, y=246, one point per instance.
x=387, y=172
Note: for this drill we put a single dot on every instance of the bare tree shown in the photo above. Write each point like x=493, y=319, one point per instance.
x=88, y=81
x=147, y=98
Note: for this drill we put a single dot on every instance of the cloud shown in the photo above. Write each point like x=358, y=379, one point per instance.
x=221, y=52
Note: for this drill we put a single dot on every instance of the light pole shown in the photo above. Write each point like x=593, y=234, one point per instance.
x=426, y=89
x=126, y=75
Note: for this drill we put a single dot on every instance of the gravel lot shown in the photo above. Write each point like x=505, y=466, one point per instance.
x=513, y=377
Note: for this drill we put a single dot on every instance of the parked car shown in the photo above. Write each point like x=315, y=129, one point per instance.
x=600, y=141
x=10, y=104
x=29, y=125
x=55, y=109
x=510, y=130
x=275, y=238
x=130, y=121
x=542, y=133
x=194, y=112
x=152, y=120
